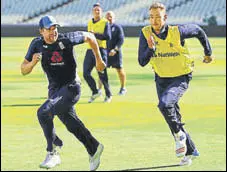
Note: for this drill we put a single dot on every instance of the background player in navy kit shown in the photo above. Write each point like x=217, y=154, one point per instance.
x=101, y=29
x=59, y=64
x=165, y=48
x=114, y=51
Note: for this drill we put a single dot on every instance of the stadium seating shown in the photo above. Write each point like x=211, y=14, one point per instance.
x=129, y=12
x=14, y=11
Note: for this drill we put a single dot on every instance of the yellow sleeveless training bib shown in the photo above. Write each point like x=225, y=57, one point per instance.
x=98, y=27
x=171, y=58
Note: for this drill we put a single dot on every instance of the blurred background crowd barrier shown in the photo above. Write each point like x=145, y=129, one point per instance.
x=21, y=17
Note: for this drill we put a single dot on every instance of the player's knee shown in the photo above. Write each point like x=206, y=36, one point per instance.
x=165, y=104
x=40, y=112
x=72, y=128
x=43, y=113
x=75, y=88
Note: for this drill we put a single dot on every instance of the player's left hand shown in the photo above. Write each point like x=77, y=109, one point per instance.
x=112, y=52
x=207, y=59
x=100, y=65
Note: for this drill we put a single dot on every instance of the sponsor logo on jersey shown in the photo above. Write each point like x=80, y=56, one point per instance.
x=56, y=59
x=170, y=54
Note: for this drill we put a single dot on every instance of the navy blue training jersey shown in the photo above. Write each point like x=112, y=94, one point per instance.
x=117, y=38
x=58, y=59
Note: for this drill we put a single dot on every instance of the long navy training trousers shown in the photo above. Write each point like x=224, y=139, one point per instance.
x=60, y=103
x=169, y=91
x=89, y=64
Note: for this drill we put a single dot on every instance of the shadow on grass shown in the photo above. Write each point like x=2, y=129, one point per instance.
x=24, y=105
x=150, y=168
x=38, y=98
x=86, y=102
x=19, y=105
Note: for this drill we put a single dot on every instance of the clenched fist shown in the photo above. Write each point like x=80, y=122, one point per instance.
x=207, y=59
x=100, y=65
x=112, y=52
x=36, y=58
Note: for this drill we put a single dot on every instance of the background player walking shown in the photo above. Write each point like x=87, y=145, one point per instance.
x=101, y=29
x=115, y=59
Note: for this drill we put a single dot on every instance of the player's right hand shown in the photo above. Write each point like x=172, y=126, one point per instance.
x=207, y=59
x=100, y=65
x=36, y=58
x=112, y=52
x=151, y=42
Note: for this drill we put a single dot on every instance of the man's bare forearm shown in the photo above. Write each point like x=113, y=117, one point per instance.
x=26, y=68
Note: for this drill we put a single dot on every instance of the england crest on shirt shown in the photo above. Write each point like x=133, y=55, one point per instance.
x=113, y=29
x=61, y=45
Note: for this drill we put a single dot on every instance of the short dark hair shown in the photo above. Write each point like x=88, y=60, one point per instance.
x=156, y=5
x=96, y=5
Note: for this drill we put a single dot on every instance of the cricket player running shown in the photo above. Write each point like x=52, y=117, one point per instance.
x=55, y=52
x=164, y=47
x=115, y=59
x=101, y=29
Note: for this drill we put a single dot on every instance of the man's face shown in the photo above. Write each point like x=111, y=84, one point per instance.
x=110, y=17
x=157, y=18
x=50, y=35
x=97, y=12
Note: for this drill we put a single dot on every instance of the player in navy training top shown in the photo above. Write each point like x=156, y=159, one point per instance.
x=55, y=51
x=114, y=51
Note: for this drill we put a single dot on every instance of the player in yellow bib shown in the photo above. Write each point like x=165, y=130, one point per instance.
x=164, y=47
x=101, y=29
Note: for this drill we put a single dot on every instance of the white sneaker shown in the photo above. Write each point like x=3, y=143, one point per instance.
x=186, y=160
x=95, y=159
x=94, y=96
x=52, y=159
x=107, y=99
x=100, y=91
x=181, y=147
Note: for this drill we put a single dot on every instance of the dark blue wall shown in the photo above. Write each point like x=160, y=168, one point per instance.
x=130, y=31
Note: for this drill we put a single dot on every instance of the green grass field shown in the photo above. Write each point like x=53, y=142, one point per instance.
x=131, y=127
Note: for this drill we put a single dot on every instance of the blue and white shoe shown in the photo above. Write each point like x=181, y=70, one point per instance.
x=107, y=99
x=94, y=96
x=186, y=160
x=52, y=159
x=181, y=147
x=100, y=91
x=122, y=92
